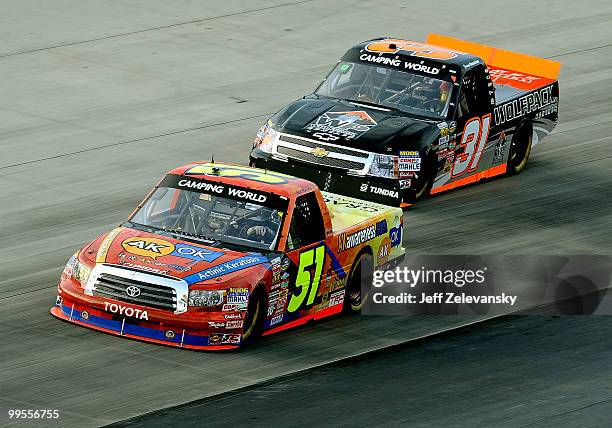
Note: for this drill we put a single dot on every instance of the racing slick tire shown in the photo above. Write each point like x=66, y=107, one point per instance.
x=361, y=272
x=520, y=149
x=254, y=319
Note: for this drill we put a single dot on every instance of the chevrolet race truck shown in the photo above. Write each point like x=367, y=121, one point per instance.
x=397, y=120
x=219, y=254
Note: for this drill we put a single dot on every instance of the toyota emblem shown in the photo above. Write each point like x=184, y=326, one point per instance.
x=132, y=291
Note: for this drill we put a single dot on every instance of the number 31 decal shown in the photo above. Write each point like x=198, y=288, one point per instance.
x=474, y=140
x=308, y=278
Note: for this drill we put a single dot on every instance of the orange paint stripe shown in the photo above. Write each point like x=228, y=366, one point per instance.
x=491, y=172
x=495, y=57
x=321, y=314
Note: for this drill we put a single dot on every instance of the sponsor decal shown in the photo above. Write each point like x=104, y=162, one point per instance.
x=358, y=205
x=471, y=64
x=399, y=63
x=226, y=267
x=105, y=245
x=233, y=307
x=498, y=151
x=220, y=189
x=232, y=316
x=395, y=234
x=382, y=255
x=500, y=76
x=133, y=260
x=126, y=311
x=277, y=319
x=195, y=253
x=384, y=192
x=144, y=268
x=348, y=125
x=378, y=190
x=238, y=295
x=234, y=324
x=69, y=268
x=409, y=160
x=215, y=324
x=244, y=172
x=417, y=49
x=336, y=298
x=148, y=247
x=524, y=105
x=338, y=283
x=224, y=339
x=346, y=242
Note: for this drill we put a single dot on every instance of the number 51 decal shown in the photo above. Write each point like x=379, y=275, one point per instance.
x=308, y=278
x=474, y=140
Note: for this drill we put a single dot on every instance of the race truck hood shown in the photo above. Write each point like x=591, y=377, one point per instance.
x=357, y=126
x=163, y=255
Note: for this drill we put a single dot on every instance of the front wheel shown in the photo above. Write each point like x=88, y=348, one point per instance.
x=520, y=149
x=254, y=319
x=421, y=184
x=362, y=273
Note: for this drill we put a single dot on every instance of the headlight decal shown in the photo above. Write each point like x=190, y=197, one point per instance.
x=385, y=166
x=206, y=298
x=265, y=138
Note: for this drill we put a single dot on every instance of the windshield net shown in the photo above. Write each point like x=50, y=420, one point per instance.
x=404, y=91
x=210, y=217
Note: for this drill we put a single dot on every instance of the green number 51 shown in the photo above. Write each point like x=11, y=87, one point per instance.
x=305, y=282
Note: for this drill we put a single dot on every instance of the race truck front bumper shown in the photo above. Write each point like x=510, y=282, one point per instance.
x=384, y=191
x=192, y=329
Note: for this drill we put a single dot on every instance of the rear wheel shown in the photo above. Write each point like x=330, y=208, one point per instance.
x=254, y=319
x=362, y=272
x=520, y=149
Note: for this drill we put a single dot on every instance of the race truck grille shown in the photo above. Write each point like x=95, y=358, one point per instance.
x=326, y=161
x=311, y=144
x=153, y=296
x=138, y=288
x=318, y=153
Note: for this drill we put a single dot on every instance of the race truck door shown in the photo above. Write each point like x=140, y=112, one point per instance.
x=310, y=261
x=468, y=155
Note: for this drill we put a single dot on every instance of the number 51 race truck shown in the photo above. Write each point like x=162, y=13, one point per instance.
x=396, y=120
x=217, y=255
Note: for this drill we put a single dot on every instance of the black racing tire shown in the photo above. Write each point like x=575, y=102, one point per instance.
x=422, y=185
x=520, y=149
x=254, y=319
x=362, y=268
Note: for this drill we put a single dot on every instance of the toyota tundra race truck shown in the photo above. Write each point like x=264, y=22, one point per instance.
x=397, y=120
x=219, y=254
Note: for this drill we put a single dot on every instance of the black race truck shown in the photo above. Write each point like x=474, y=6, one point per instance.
x=395, y=120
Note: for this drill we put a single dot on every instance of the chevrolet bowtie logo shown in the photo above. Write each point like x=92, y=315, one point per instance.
x=319, y=152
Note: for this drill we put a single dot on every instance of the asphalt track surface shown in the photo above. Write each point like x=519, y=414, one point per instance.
x=98, y=99
x=453, y=380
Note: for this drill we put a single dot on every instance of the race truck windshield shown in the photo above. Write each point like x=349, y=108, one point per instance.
x=208, y=216
x=404, y=91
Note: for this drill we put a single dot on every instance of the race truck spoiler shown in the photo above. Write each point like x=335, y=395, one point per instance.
x=500, y=58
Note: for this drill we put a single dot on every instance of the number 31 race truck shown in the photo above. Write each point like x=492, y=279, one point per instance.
x=217, y=255
x=396, y=120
